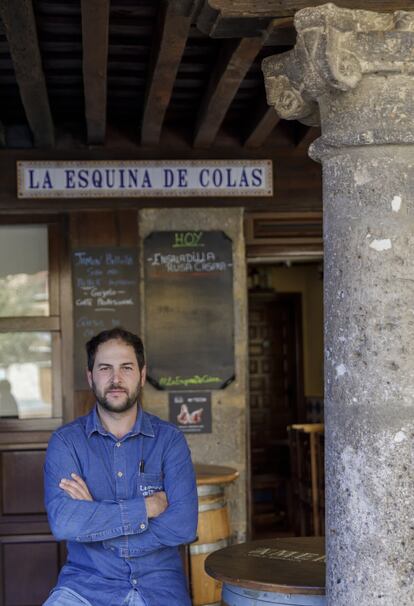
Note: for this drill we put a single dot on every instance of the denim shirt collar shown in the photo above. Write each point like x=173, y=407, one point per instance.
x=142, y=424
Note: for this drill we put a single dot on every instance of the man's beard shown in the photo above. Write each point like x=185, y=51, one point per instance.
x=129, y=403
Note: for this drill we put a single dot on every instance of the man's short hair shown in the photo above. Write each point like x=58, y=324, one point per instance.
x=118, y=334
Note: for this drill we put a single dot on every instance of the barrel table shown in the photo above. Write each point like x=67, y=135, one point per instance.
x=213, y=530
x=271, y=571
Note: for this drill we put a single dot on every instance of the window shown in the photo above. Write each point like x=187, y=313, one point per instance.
x=24, y=270
x=30, y=326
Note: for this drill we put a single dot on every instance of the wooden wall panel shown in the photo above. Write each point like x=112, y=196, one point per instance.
x=29, y=567
x=22, y=482
x=104, y=228
x=284, y=235
x=84, y=401
x=92, y=229
x=127, y=223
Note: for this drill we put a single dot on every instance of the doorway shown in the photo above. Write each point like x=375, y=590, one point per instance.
x=277, y=348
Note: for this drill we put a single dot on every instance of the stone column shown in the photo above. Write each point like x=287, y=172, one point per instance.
x=354, y=71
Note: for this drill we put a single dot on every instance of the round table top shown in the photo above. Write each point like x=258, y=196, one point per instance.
x=295, y=565
x=214, y=474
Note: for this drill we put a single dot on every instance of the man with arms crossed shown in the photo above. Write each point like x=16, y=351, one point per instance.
x=120, y=489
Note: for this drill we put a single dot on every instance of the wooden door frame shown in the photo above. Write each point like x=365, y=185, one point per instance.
x=296, y=299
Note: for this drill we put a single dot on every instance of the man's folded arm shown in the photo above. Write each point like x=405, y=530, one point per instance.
x=178, y=523
x=80, y=520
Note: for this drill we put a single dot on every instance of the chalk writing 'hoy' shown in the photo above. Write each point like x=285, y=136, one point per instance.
x=187, y=238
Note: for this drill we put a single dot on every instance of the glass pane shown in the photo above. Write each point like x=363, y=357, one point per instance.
x=24, y=267
x=25, y=375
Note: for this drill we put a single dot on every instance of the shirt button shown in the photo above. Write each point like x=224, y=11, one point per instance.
x=119, y=474
x=118, y=444
x=134, y=581
x=142, y=526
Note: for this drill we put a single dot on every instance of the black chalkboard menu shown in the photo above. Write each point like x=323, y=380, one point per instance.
x=105, y=295
x=189, y=316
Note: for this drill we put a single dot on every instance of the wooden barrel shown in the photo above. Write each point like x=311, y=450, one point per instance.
x=282, y=572
x=237, y=596
x=213, y=531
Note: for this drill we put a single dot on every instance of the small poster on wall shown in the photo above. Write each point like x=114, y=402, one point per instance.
x=191, y=411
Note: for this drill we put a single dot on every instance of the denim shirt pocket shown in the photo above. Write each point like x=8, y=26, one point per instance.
x=117, y=544
x=148, y=483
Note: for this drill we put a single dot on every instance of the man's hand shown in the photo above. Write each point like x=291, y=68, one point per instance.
x=76, y=488
x=156, y=504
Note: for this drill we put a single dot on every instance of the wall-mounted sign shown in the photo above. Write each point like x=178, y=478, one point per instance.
x=105, y=295
x=191, y=411
x=132, y=179
x=189, y=317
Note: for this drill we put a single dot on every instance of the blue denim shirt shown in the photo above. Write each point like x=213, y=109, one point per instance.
x=112, y=545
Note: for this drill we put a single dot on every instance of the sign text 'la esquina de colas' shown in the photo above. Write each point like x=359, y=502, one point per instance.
x=144, y=179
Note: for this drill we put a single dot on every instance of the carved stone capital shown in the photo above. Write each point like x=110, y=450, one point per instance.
x=335, y=49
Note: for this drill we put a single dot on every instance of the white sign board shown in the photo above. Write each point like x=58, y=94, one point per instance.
x=133, y=179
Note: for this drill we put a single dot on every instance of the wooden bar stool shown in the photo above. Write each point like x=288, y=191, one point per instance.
x=307, y=465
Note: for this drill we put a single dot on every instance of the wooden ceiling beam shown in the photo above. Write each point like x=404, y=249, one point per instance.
x=95, y=30
x=2, y=135
x=174, y=26
x=306, y=136
x=231, y=68
x=20, y=26
x=282, y=33
x=263, y=122
x=237, y=18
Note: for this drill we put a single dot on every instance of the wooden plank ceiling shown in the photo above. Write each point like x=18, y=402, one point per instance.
x=144, y=67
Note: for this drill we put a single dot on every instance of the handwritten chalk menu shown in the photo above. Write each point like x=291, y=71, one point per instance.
x=105, y=292
x=189, y=318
